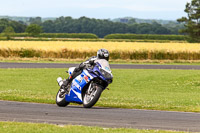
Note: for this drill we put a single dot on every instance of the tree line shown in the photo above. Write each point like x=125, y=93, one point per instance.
x=18, y=27
x=87, y=25
x=190, y=25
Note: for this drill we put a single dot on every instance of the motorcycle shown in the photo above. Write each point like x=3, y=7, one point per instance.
x=87, y=87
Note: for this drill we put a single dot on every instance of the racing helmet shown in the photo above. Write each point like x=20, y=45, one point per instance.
x=103, y=54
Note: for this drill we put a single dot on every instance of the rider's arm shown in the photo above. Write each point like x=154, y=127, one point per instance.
x=90, y=62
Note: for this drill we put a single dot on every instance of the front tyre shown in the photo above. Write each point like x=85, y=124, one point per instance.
x=91, y=95
x=60, y=100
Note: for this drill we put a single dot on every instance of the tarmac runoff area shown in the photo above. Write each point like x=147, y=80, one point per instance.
x=97, y=116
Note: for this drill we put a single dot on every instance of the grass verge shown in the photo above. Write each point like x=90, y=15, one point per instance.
x=17, y=127
x=174, y=90
x=75, y=61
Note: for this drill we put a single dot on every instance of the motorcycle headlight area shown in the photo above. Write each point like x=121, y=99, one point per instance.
x=105, y=74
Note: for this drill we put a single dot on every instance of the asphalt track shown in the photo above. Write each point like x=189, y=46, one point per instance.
x=103, y=117
x=113, y=66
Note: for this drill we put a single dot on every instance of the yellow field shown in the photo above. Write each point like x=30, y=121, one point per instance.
x=94, y=46
x=118, y=50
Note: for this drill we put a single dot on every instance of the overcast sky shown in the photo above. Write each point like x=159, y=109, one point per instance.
x=103, y=9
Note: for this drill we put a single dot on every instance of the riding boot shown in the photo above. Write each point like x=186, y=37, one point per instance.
x=66, y=82
x=63, y=88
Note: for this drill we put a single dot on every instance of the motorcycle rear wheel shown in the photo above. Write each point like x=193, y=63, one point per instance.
x=60, y=101
x=91, y=95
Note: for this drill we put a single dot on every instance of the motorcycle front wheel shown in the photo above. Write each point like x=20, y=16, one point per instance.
x=60, y=100
x=91, y=95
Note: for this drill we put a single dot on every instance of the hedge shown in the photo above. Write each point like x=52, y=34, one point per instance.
x=59, y=35
x=146, y=36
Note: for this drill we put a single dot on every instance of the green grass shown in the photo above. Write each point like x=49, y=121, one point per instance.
x=16, y=127
x=174, y=90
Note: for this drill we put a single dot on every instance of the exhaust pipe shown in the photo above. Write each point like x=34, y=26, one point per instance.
x=60, y=81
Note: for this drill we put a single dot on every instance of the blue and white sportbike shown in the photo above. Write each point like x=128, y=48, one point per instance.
x=87, y=87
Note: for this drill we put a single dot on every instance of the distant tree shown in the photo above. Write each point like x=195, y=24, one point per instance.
x=3, y=24
x=192, y=21
x=34, y=29
x=48, y=26
x=18, y=27
x=8, y=32
x=131, y=21
x=36, y=20
x=174, y=27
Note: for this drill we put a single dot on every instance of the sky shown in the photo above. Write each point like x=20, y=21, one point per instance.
x=101, y=9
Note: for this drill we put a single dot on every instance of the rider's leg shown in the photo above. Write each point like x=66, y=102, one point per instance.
x=76, y=72
x=66, y=82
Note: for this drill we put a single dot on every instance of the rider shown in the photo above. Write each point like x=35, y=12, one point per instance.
x=101, y=54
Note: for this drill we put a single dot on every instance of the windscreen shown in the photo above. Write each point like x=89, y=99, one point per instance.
x=104, y=64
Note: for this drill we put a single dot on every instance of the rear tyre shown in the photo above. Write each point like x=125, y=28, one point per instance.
x=91, y=95
x=60, y=100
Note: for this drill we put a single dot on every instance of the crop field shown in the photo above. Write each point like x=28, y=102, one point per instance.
x=174, y=90
x=118, y=50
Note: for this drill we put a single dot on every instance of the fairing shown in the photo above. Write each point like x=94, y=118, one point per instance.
x=75, y=94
